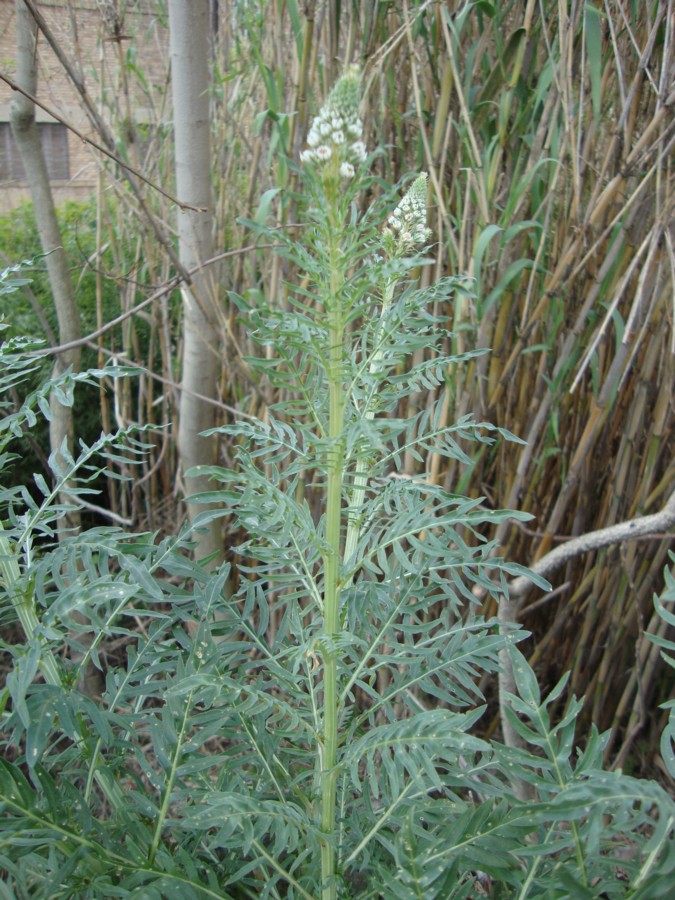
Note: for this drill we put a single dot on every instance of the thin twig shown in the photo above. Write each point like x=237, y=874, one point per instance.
x=15, y=87
x=119, y=358
x=170, y=285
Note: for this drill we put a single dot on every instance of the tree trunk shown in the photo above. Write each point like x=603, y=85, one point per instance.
x=27, y=137
x=189, y=47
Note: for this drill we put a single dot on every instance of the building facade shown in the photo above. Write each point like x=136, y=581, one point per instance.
x=119, y=48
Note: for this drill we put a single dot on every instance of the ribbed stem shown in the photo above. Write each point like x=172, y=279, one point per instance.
x=332, y=556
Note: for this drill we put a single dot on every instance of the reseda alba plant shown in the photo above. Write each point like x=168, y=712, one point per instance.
x=368, y=571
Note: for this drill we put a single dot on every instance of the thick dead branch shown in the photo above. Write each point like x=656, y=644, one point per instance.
x=643, y=526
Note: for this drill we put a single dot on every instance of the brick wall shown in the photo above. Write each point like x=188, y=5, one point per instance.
x=108, y=65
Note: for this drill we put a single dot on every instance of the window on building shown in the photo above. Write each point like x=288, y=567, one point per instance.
x=54, y=138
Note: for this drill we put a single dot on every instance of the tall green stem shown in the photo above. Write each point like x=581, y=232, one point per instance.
x=334, y=513
x=332, y=555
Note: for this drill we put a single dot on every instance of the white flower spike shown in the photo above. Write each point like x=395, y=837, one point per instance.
x=336, y=131
x=407, y=225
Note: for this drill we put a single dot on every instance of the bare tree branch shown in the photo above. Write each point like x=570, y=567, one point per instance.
x=170, y=285
x=116, y=159
x=643, y=526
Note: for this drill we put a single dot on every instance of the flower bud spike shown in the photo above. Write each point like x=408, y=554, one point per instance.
x=408, y=222
x=336, y=132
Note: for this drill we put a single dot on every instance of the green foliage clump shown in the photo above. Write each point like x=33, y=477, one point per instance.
x=29, y=310
x=19, y=239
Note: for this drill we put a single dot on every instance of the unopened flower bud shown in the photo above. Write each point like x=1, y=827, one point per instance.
x=412, y=210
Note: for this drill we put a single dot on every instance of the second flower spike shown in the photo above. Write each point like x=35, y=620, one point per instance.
x=407, y=225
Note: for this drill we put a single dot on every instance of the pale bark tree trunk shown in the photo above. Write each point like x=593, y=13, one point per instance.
x=189, y=47
x=27, y=137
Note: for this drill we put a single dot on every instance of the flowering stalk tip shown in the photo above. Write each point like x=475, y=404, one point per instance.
x=336, y=132
x=407, y=225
